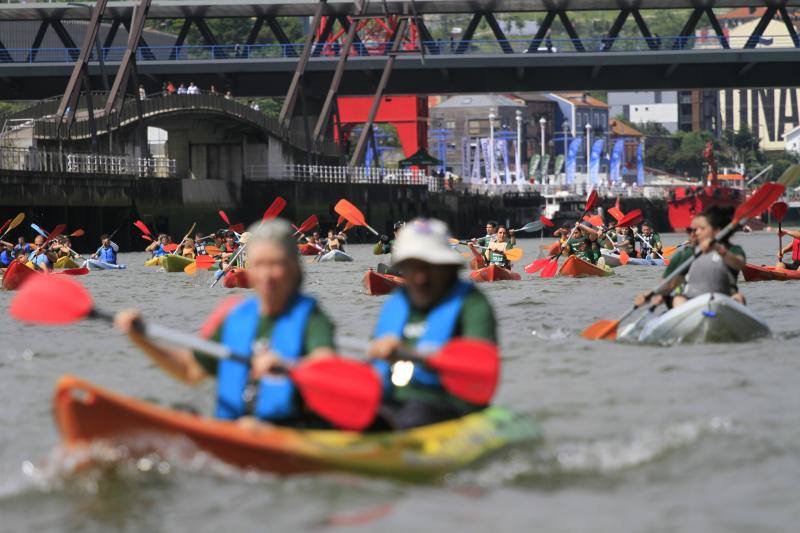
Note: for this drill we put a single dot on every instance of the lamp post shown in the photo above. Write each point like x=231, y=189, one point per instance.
x=588, y=149
x=565, y=131
x=518, y=154
x=542, y=122
x=491, y=147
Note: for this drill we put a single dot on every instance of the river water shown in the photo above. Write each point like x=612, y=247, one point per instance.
x=691, y=438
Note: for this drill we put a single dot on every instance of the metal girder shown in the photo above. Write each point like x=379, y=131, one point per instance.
x=37, y=41
x=112, y=33
x=425, y=34
x=787, y=20
x=547, y=23
x=327, y=29
x=688, y=29
x=570, y=29
x=144, y=48
x=179, y=40
x=755, y=37
x=344, y=22
x=114, y=102
x=498, y=33
x=66, y=38
x=652, y=43
x=712, y=18
x=280, y=35
x=468, y=33
x=209, y=38
x=613, y=33
x=5, y=57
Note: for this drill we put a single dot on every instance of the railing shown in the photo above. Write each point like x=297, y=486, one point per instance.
x=31, y=160
x=343, y=174
x=377, y=48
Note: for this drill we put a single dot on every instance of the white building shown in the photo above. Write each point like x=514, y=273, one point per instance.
x=792, y=140
x=646, y=106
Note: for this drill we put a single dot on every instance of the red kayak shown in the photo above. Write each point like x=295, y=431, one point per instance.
x=494, y=273
x=15, y=274
x=378, y=284
x=236, y=278
x=768, y=273
x=578, y=268
x=308, y=249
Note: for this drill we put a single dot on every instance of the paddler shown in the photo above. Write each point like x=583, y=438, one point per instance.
x=199, y=244
x=716, y=270
x=583, y=243
x=434, y=307
x=107, y=252
x=384, y=245
x=229, y=248
x=278, y=325
x=649, y=242
x=39, y=256
x=496, y=251
x=7, y=254
x=335, y=241
x=22, y=246
x=156, y=248
x=793, y=247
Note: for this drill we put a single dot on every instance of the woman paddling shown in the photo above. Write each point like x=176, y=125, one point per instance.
x=793, y=247
x=716, y=270
x=496, y=250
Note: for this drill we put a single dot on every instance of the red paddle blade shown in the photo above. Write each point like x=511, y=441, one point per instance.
x=5, y=224
x=346, y=393
x=146, y=237
x=143, y=228
x=779, y=210
x=546, y=221
x=537, y=265
x=309, y=224
x=274, y=209
x=340, y=221
x=171, y=247
x=616, y=212
x=624, y=257
x=58, y=230
x=350, y=212
x=77, y=233
x=550, y=270
x=591, y=202
x=468, y=368
x=617, y=205
x=759, y=202
x=51, y=300
x=74, y=271
x=595, y=220
x=602, y=329
x=237, y=228
x=224, y=217
x=634, y=217
x=204, y=262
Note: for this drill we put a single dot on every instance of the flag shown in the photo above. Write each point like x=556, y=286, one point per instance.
x=616, y=161
x=594, y=162
x=640, y=165
x=533, y=167
x=572, y=155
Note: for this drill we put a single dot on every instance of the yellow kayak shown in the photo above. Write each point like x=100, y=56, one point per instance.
x=65, y=262
x=153, y=262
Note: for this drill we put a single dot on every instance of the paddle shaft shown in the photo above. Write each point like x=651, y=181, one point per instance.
x=648, y=245
x=184, y=238
x=13, y=224
x=230, y=264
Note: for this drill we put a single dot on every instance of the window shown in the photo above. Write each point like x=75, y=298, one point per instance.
x=450, y=124
x=477, y=127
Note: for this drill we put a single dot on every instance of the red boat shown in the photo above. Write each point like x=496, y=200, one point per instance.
x=578, y=268
x=494, y=273
x=15, y=274
x=768, y=273
x=236, y=278
x=308, y=249
x=379, y=284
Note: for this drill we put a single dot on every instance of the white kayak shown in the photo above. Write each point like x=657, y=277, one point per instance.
x=335, y=255
x=648, y=261
x=96, y=264
x=613, y=260
x=712, y=317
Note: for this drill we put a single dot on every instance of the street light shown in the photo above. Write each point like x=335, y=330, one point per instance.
x=518, y=158
x=588, y=149
x=96, y=44
x=491, y=147
x=542, y=122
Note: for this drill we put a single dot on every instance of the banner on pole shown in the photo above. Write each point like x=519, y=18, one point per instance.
x=616, y=160
x=640, y=165
x=572, y=156
x=594, y=161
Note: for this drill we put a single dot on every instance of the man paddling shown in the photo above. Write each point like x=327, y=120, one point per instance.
x=583, y=243
x=384, y=245
x=793, y=247
x=39, y=258
x=716, y=270
x=107, y=252
x=275, y=328
x=650, y=242
x=156, y=248
x=433, y=308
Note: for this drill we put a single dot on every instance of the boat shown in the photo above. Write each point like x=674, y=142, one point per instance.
x=335, y=255
x=378, y=284
x=153, y=261
x=236, y=277
x=308, y=249
x=712, y=317
x=15, y=274
x=578, y=268
x=65, y=262
x=174, y=262
x=768, y=273
x=612, y=259
x=494, y=273
x=563, y=206
x=639, y=261
x=90, y=415
x=96, y=264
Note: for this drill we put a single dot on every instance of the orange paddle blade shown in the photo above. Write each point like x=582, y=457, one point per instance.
x=550, y=269
x=171, y=247
x=274, y=209
x=191, y=269
x=204, y=262
x=669, y=250
x=595, y=220
x=624, y=257
x=468, y=368
x=537, y=265
x=602, y=329
x=213, y=250
x=349, y=226
x=143, y=227
x=515, y=254
x=77, y=233
x=350, y=212
x=340, y=221
x=616, y=212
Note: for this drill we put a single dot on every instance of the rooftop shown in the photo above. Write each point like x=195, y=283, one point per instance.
x=583, y=99
x=478, y=100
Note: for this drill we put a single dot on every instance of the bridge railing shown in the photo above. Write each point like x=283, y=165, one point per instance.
x=45, y=161
x=343, y=174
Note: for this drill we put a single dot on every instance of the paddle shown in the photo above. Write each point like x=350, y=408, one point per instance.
x=530, y=226
x=16, y=221
x=144, y=229
x=779, y=210
x=224, y=217
x=616, y=212
x=170, y=248
x=203, y=262
x=6, y=223
x=514, y=254
x=656, y=252
x=755, y=205
x=275, y=209
x=77, y=233
x=308, y=224
x=175, y=251
x=347, y=393
x=546, y=221
x=212, y=250
x=352, y=214
x=339, y=221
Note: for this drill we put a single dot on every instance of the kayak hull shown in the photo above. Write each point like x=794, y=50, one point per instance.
x=153, y=262
x=377, y=284
x=15, y=275
x=307, y=249
x=86, y=414
x=236, y=278
x=578, y=268
x=336, y=256
x=174, y=263
x=637, y=261
x=493, y=273
x=708, y=318
x=611, y=258
x=95, y=264
x=767, y=273
x=65, y=262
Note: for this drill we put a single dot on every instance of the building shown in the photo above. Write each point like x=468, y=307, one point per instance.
x=792, y=140
x=640, y=107
x=698, y=110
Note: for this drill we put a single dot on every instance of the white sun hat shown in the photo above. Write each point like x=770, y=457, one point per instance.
x=425, y=239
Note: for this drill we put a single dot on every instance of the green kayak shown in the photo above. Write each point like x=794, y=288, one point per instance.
x=175, y=263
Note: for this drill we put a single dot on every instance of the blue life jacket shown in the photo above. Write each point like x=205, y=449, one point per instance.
x=6, y=256
x=159, y=251
x=27, y=248
x=444, y=318
x=275, y=395
x=107, y=255
x=39, y=260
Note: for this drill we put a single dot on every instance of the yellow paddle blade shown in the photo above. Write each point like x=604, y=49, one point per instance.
x=669, y=250
x=515, y=254
x=213, y=250
x=454, y=241
x=601, y=330
x=14, y=223
x=191, y=268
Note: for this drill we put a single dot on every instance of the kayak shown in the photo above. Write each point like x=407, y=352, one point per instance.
x=379, y=284
x=86, y=414
x=637, y=261
x=494, y=273
x=153, y=261
x=15, y=274
x=96, y=264
x=478, y=260
x=307, y=249
x=174, y=263
x=335, y=255
x=768, y=273
x=611, y=258
x=236, y=277
x=712, y=317
x=65, y=262
x=578, y=268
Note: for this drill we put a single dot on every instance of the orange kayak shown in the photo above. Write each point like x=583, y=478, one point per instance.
x=768, y=273
x=478, y=260
x=578, y=268
x=237, y=277
x=15, y=274
x=378, y=284
x=308, y=249
x=494, y=273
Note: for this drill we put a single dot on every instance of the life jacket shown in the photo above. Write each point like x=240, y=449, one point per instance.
x=496, y=253
x=796, y=250
x=709, y=273
x=159, y=251
x=274, y=399
x=6, y=256
x=648, y=243
x=107, y=255
x=444, y=318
